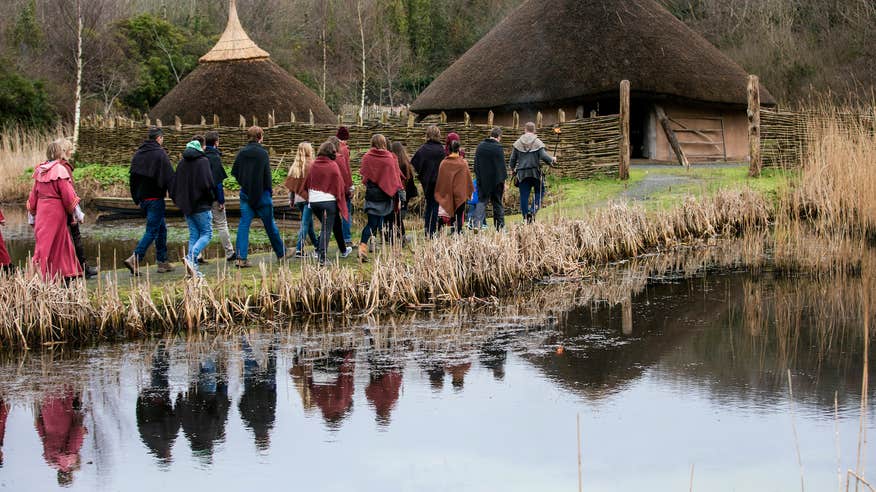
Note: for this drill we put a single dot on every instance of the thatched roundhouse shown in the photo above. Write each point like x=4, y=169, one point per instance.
x=237, y=78
x=572, y=54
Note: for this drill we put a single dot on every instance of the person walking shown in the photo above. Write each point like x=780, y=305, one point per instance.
x=150, y=176
x=527, y=155
x=5, y=259
x=383, y=184
x=426, y=162
x=194, y=192
x=396, y=219
x=220, y=218
x=490, y=173
x=51, y=202
x=453, y=187
x=325, y=193
x=73, y=226
x=342, y=157
x=452, y=137
x=298, y=196
x=252, y=169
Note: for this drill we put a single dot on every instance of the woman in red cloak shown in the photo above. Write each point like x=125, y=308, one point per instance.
x=60, y=424
x=52, y=201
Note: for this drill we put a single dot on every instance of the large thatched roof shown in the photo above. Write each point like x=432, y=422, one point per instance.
x=237, y=78
x=568, y=50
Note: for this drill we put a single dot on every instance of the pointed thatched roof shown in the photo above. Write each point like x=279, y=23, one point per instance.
x=234, y=43
x=237, y=78
x=568, y=50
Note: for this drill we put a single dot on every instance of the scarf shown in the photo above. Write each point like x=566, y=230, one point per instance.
x=380, y=167
x=528, y=142
x=454, y=186
x=325, y=176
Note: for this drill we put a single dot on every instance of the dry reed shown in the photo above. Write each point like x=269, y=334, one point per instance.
x=20, y=150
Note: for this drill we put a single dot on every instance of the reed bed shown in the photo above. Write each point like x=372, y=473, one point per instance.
x=442, y=273
x=20, y=149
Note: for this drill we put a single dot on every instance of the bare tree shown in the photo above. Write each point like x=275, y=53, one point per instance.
x=77, y=112
x=364, y=74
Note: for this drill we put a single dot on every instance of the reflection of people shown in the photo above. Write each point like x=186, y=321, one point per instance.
x=4, y=412
x=383, y=390
x=457, y=374
x=157, y=421
x=258, y=404
x=204, y=409
x=494, y=354
x=435, y=371
x=59, y=423
x=334, y=400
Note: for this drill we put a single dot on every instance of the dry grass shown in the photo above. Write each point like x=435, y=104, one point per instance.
x=20, y=150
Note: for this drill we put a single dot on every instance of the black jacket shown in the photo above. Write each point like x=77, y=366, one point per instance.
x=150, y=172
x=489, y=167
x=219, y=174
x=426, y=162
x=252, y=169
x=193, y=190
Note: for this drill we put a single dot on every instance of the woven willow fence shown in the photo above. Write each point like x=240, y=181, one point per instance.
x=586, y=147
x=786, y=136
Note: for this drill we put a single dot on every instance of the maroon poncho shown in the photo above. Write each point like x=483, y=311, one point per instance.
x=343, y=158
x=325, y=176
x=4, y=253
x=51, y=201
x=380, y=167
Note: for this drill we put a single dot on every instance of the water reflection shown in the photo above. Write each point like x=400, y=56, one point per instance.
x=258, y=404
x=4, y=412
x=157, y=420
x=60, y=424
x=203, y=408
x=703, y=358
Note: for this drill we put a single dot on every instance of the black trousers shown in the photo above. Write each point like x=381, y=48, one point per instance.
x=76, y=236
x=330, y=218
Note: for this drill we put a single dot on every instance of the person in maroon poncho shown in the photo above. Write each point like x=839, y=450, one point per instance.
x=4, y=412
x=334, y=400
x=60, y=425
x=325, y=192
x=51, y=203
x=5, y=259
x=383, y=182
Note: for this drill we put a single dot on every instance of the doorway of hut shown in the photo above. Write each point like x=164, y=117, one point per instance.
x=639, y=119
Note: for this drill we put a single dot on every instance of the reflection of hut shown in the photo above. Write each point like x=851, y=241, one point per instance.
x=237, y=78
x=572, y=54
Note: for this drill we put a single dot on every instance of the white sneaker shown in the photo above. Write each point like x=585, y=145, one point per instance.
x=347, y=252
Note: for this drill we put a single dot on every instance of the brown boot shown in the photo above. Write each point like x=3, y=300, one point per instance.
x=165, y=267
x=363, y=252
x=133, y=264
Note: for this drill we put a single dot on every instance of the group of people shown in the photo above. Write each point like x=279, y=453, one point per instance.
x=320, y=184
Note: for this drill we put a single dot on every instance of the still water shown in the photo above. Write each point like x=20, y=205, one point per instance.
x=686, y=371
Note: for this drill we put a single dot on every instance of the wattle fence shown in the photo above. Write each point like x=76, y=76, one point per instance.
x=786, y=136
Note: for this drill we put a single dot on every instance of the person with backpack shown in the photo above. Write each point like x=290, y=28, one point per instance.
x=527, y=156
x=383, y=183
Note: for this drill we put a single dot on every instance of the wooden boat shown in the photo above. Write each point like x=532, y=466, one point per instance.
x=120, y=208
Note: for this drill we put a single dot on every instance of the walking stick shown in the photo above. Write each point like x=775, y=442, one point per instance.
x=557, y=132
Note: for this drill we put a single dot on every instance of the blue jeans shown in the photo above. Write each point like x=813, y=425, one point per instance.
x=156, y=231
x=431, y=215
x=375, y=225
x=306, y=231
x=200, y=234
x=527, y=186
x=264, y=211
x=347, y=224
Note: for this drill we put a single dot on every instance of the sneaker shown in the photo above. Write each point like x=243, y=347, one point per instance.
x=314, y=254
x=347, y=252
x=202, y=261
x=299, y=254
x=90, y=271
x=231, y=257
x=165, y=267
x=191, y=269
x=242, y=263
x=133, y=265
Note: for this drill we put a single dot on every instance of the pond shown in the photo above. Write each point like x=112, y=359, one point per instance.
x=683, y=371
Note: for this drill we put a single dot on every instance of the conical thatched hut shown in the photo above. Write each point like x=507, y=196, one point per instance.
x=572, y=54
x=237, y=78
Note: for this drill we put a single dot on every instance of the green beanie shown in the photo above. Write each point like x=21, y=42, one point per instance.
x=194, y=144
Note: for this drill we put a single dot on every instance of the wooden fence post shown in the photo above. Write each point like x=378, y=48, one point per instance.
x=624, y=173
x=561, y=116
x=310, y=117
x=203, y=121
x=754, y=126
x=670, y=135
x=158, y=122
x=242, y=123
x=539, y=118
x=177, y=123
x=411, y=120
x=443, y=117
x=490, y=118
x=466, y=119
x=340, y=120
x=216, y=120
x=515, y=120
x=147, y=121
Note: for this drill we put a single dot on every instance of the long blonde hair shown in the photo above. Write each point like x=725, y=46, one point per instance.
x=303, y=158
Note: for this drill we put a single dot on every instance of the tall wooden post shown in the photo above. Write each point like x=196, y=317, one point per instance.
x=670, y=135
x=515, y=120
x=490, y=118
x=754, y=126
x=624, y=173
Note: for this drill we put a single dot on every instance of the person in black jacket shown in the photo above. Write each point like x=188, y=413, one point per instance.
x=220, y=220
x=426, y=162
x=252, y=169
x=150, y=174
x=194, y=192
x=491, y=173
